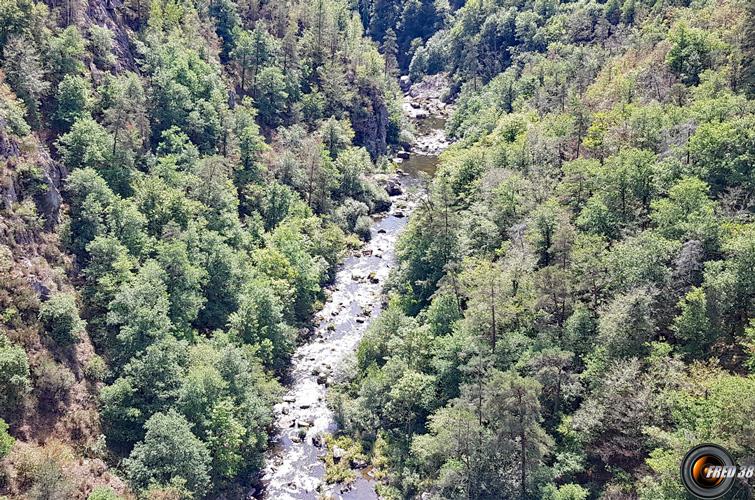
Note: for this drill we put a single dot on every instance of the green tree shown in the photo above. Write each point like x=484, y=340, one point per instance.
x=74, y=100
x=390, y=51
x=65, y=53
x=184, y=280
x=254, y=50
x=6, y=440
x=60, y=319
x=103, y=493
x=90, y=200
x=169, y=453
x=225, y=440
x=126, y=115
x=627, y=324
x=88, y=145
x=687, y=213
x=227, y=20
x=149, y=383
x=692, y=326
x=140, y=311
x=101, y=46
x=613, y=11
x=690, y=52
x=26, y=76
x=14, y=376
x=721, y=154
x=258, y=322
x=252, y=145
x=271, y=95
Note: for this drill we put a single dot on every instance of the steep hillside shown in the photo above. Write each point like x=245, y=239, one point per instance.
x=178, y=182
x=574, y=306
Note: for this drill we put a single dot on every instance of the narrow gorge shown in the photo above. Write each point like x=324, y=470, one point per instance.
x=295, y=467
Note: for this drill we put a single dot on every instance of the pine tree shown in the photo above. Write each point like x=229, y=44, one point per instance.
x=24, y=73
x=390, y=51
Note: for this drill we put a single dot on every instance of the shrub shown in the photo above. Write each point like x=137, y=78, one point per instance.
x=104, y=493
x=60, y=318
x=346, y=215
x=53, y=379
x=50, y=481
x=6, y=440
x=362, y=227
x=14, y=374
x=41, y=469
x=95, y=369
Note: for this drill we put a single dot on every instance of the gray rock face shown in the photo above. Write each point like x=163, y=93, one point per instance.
x=48, y=199
x=369, y=118
x=106, y=13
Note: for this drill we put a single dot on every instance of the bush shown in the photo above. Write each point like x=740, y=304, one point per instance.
x=375, y=197
x=14, y=374
x=53, y=380
x=50, y=482
x=95, y=369
x=347, y=214
x=6, y=440
x=60, y=318
x=104, y=493
x=362, y=227
x=41, y=469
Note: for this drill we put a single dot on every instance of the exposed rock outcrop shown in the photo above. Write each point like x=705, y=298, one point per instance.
x=369, y=118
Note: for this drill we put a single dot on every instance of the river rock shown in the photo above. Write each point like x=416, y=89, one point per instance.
x=405, y=82
x=420, y=114
x=317, y=440
x=381, y=205
x=285, y=423
x=404, y=155
x=338, y=453
x=393, y=187
x=358, y=464
x=306, y=422
x=289, y=398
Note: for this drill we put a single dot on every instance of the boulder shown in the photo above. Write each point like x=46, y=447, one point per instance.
x=317, y=441
x=358, y=464
x=405, y=82
x=393, y=187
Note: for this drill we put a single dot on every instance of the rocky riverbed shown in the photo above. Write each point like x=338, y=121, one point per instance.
x=294, y=468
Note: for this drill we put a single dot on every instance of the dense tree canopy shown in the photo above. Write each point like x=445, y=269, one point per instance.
x=572, y=302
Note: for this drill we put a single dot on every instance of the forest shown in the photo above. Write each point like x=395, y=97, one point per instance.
x=572, y=303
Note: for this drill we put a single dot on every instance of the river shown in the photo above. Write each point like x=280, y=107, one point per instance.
x=294, y=469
